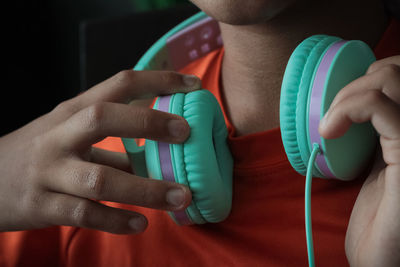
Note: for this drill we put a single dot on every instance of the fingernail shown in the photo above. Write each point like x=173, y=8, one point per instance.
x=138, y=223
x=177, y=128
x=176, y=197
x=190, y=80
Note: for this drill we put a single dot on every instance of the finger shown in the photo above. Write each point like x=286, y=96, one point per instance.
x=386, y=79
x=101, y=182
x=125, y=87
x=395, y=60
x=61, y=209
x=142, y=102
x=129, y=84
x=372, y=106
x=113, y=159
x=98, y=121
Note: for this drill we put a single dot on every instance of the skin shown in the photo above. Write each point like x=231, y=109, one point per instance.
x=251, y=80
x=373, y=234
x=51, y=174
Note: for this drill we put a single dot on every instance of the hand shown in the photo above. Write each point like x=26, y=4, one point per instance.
x=373, y=234
x=51, y=174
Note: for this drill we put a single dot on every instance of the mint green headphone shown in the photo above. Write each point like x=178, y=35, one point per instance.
x=203, y=162
x=318, y=68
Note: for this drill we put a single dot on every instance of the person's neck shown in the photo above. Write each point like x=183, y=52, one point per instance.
x=256, y=55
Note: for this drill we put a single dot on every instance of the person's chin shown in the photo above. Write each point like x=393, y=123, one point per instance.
x=239, y=12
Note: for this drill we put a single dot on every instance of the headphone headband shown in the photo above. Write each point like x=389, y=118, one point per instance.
x=188, y=41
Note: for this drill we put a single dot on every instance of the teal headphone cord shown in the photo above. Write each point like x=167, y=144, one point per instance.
x=310, y=245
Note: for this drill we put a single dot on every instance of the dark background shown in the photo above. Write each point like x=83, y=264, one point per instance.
x=54, y=49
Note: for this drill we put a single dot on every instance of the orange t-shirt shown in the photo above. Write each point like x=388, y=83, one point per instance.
x=265, y=227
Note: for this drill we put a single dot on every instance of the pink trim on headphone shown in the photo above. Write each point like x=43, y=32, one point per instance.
x=315, y=105
x=166, y=162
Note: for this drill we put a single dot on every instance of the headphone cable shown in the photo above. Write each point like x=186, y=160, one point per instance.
x=308, y=222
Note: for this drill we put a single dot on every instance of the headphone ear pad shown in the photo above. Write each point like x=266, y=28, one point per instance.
x=295, y=91
x=203, y=162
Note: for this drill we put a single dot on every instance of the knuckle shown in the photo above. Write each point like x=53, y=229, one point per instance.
x=93, y=116
x=67, y=107
x=81, y=214
x=95, y=182
x=124, y=77
x=170, y=78
x=32, y=204
x=390, y=71
x=374, y=66
x=56, y=211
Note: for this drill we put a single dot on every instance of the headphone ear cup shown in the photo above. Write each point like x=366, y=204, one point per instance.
x=317, y=70
x=203, y=162
x=295, y=91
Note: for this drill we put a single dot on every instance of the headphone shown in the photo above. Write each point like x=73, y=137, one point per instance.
x=203, y=162
x=318, y=68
